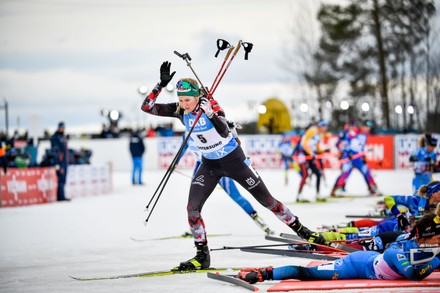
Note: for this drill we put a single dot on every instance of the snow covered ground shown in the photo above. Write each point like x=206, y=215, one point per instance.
x=42, y=245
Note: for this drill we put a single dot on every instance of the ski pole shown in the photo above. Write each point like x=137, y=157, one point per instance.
x=167, y=175
x=187, y=59
x=221, y=68
x=214, y=87
x=170, y=168
x=158, y=192
x=247, y=48
x=251, y=246
x=221, y=45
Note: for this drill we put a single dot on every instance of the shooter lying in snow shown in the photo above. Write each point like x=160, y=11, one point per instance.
x=414, y=258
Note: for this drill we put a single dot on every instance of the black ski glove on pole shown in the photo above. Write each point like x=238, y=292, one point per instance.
x=165, y=76
x=402, y=222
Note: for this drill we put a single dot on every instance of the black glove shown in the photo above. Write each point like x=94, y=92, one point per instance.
x=402, y=222
x=165, y=76
x=413, y=159
x=364, y=159
x=428, y=159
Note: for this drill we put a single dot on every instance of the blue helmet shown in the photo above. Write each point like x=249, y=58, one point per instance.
x=432, y=188
x=322, y=123
x=431, y=141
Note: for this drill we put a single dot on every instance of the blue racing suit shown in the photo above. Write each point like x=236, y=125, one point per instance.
x=393, y=264
x=423, y=167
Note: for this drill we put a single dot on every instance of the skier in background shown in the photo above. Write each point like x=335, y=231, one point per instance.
x=343, y=143
x=308, y=148
x=424, y=159
x=354, y=156
x=286, y=149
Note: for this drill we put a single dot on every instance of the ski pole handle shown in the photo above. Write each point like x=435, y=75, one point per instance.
x=185, y=56
x=214, y=87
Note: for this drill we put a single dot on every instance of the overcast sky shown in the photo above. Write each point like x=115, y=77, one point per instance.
x=69, y=59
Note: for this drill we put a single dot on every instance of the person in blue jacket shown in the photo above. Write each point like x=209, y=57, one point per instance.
x=60, y=152
x=414, y=258
x=424, y=160
x=137, y=150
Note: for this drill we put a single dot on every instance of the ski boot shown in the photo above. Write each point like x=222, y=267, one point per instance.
x=374, y=191
x=299, y=198
x=260, y=223
x=305, y=233
x=254, y=275
x=337, y=191
x=202, y=260
x=320, y=198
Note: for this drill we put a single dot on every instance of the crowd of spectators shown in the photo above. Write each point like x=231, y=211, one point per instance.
x=19, y=152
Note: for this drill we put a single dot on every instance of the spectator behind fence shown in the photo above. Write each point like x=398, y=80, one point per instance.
x=31, y=152
x=48, y=160
x=60, y=152
x=3, y=161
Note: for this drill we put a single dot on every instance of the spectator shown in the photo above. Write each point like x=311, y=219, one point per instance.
x=10, y=143
x=48, y=159
x=86, y=155
x=16, y=158
x=60, y=151
x=151, y=133
x=137, y=149
x=3, y=161
x=31, y=152
x=105, y=132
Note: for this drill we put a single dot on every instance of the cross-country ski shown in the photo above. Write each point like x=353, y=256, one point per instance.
x=219, y=146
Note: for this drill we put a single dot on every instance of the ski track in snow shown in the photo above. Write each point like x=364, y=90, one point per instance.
x=42, y=245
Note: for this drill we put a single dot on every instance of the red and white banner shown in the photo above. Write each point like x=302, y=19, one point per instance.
x=29, y=186
x=263, y=151
x=20, y=187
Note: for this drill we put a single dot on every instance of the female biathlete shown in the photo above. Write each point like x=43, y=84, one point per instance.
x=222, y=156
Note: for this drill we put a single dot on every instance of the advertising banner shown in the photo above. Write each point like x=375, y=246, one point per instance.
x=167, y=150
x=263, y=151
x=406, y=145
x=20, y=187
x=86, y=180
